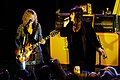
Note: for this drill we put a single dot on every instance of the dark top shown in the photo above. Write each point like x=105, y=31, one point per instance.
x=82, y=45
x=32, y=39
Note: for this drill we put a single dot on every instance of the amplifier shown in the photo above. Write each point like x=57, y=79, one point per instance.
x=110, y=42
x=58, y=49
x=104, y=23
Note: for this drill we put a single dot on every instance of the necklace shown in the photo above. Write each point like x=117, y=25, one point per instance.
x=77, y=27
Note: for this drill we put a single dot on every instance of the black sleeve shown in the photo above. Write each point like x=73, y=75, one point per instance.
x=93, y=36
x=65, y=31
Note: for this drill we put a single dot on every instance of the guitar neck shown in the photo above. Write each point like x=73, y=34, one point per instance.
x=36, y=44
x=46, y=38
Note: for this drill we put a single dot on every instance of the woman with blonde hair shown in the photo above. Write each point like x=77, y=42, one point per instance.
x=28, y=41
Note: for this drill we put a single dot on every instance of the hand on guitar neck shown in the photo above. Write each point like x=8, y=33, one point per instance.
x=43, y=41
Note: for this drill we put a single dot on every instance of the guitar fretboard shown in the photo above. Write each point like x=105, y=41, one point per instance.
x=46, y=38
x=53, y=33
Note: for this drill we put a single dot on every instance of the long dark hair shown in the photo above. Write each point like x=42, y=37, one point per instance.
x=78, y=12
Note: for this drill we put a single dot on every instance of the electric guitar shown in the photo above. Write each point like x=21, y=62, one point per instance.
x=24, y=54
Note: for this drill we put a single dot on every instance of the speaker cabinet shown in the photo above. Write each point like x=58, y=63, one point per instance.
x=110, y=43
x=58, y=49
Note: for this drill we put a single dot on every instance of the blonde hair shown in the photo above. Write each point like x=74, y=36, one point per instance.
x=29, y=12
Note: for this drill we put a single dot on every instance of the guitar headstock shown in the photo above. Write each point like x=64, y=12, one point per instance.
x=53, y=33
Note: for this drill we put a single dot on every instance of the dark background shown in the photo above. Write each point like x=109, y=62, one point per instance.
x=11, y=12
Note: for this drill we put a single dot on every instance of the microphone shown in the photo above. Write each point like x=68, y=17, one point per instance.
x=67, y=18
x=27, y=26
x=29, y=22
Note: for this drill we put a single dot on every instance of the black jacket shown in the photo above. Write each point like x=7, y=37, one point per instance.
x=82, y=45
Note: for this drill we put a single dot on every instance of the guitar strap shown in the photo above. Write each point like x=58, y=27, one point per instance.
x=24, y=40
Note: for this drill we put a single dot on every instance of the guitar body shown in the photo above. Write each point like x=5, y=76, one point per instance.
x=24, y=56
